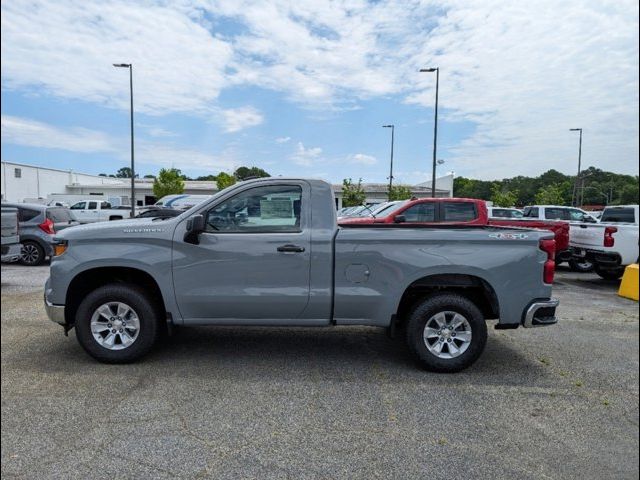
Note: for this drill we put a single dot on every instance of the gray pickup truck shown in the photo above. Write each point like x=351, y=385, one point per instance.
x=269, y=252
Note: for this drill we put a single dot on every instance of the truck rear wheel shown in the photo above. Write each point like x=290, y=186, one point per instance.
x=446, y=332
x=117, y=323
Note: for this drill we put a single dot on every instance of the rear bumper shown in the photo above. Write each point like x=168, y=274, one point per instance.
x=604, y=259
x=541, y=313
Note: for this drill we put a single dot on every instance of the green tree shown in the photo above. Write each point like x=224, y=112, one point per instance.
x=224, y=180
x=149, y=176
x=124, y=172
x=629, y=194
x=168, y=182
x=501, y=197
x=352, y=194
x=550, y=195
x=399, y=192
x=207, y=178
x=243, y=173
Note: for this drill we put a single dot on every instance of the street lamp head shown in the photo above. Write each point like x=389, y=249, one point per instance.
x=433, y=69
x=387, y=126
x=575, y=129
x=440, y=162
x=122, y=65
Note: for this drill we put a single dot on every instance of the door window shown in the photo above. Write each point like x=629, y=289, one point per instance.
x=272, y=209
x=422, y=212
x=93, y=206
x=105, y=205
x=559, y=214
x=531, y=212
x=78, y=206
x=458, y=212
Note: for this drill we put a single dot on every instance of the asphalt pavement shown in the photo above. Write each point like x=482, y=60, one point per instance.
x=222, y=402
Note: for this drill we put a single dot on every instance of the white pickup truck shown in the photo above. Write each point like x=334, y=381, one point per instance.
x=611, y=244
x=91, y=210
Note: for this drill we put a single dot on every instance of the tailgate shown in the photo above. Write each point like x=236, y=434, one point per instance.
x=587, y=236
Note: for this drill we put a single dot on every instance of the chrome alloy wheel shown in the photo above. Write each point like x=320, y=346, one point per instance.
x=115, y=325
x=447, y=334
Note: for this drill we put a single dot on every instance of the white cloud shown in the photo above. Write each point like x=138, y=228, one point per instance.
x=236, y=119
x=521, y=72
x=306, y=156
x=30, y=133
x=362, y=159
x=282, y=139
x=25, y=132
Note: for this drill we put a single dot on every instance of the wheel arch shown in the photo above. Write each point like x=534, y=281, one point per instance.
x=90, y=279
x=473, y=287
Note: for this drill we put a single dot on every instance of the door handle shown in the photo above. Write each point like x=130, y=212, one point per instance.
x=290, y=248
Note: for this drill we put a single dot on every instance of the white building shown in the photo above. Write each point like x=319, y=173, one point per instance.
x=22, y=182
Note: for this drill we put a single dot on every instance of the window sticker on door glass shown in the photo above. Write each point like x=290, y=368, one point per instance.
x=276, y=208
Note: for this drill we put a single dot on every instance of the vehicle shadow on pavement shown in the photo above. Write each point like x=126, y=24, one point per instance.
x=336, y=354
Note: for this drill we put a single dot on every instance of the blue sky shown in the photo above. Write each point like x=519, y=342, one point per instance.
x=302, y=88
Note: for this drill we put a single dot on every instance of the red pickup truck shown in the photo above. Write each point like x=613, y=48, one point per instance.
x=463, y=211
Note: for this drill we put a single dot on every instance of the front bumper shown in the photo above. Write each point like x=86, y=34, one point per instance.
x=11, y=253
x=541, y=313
x=55, y=312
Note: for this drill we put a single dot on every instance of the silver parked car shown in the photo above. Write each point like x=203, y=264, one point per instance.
x=38, y=224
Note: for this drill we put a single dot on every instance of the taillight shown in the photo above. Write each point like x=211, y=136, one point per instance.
x=47, y=227
x=609, y=241
x=549, y=247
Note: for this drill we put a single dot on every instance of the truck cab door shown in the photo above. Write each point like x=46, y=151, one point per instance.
x=79, y=211
x=251, y=264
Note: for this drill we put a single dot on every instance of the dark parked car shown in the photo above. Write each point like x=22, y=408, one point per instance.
x=38, y=224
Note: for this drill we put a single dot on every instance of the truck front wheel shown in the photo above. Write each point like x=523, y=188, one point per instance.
x=117, y=323
x=446, y=332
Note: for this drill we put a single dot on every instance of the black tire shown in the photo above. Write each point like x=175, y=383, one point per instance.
x=610, y=274
x=32, y=254
x=582, y=266
x=445, y=302
x=148, y=312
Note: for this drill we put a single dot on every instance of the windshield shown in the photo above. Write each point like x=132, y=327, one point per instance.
x=388, y=209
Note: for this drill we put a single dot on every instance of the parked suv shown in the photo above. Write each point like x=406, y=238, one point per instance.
x=38, y=224
x=558, y=212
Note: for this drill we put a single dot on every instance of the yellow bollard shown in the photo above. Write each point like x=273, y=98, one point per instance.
x=629, y=284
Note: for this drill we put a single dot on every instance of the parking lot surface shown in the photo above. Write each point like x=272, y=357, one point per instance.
x=557, y=402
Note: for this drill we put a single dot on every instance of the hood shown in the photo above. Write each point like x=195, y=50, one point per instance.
x=118, y=228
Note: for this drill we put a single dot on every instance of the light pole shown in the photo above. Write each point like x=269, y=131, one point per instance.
x=435, y=128
x=574, y=199
x=133, y=173
x=393, y=129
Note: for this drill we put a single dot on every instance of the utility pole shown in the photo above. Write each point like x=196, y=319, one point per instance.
x=392, y=127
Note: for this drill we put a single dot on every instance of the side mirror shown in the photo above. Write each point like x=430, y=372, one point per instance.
x=195, y=226
x=399, y=219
